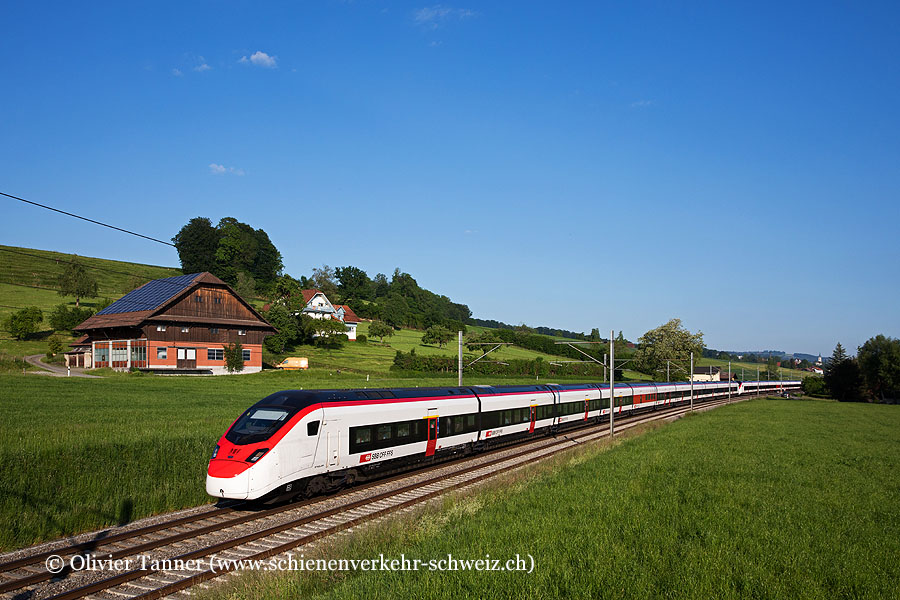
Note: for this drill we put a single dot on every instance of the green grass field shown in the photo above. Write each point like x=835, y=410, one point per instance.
x=74, y=452
x=761, y=499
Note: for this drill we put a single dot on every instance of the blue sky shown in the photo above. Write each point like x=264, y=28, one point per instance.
x=574, y=165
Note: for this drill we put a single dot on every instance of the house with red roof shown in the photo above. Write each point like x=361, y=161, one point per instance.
x=318, y=306
x=175, y=325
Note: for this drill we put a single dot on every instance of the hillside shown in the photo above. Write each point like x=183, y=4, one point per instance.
x=28, y=277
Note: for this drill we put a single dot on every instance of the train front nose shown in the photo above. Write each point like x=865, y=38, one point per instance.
x=228, y=479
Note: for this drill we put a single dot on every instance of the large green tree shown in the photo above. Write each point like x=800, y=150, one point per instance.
x=76, y=281
x=228, y=249
x=197, y=243
x=670, y=341
x=353, y=283
x=437, y=334
x=380, y=329
x=879, y=364
x=842, y=376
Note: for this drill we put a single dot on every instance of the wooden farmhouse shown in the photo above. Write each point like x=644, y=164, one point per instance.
x=176, y=325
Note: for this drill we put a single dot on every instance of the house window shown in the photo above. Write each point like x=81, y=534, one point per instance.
x=242, y=332
x=198, y=298
x=101, y=354
x=138, y=353
x=185, y=330
x=217, y=300
x=215, y=354
x=120, y=354
x=246, y=354
x=161, y=353
x=213, y=330
x=160, y=327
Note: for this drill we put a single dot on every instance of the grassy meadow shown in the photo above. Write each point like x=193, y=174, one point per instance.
x=761, y=499
x=81, y=454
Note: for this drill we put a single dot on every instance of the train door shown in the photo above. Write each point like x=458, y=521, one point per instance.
x=432, y=429
x=334, y=446
x=533, y=418
x=587, y=405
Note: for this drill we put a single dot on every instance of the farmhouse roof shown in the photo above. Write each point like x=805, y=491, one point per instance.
x=349, y=315
x=154, y=297
x=705, y=370
x=309, y=294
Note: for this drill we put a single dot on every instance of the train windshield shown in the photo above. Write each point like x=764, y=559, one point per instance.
x=257, y=425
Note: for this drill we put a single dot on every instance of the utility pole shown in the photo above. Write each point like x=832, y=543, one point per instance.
x=668, y=377
x=729, y=381
x=460, y=359
x=692, y=382
x=612, y=382
x=604, y=367
x=757, y=381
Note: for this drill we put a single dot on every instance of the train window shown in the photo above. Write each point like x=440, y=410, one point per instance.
x=507, y=417
x=256, y=425
x=363, y=435
x=312, y=428
x=384, y=432
x=403, y=430
x=470, y=423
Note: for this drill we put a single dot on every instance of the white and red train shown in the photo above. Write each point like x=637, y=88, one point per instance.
x=306, y=442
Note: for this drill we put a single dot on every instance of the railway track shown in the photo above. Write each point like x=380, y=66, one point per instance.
x=232, y=533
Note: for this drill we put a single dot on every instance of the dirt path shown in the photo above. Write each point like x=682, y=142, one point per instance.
x=55, y=370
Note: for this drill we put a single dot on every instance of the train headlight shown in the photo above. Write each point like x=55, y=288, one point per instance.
x=216, y=451
x=257, y=455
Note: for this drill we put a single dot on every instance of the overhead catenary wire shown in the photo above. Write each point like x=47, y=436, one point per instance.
x=140, y=235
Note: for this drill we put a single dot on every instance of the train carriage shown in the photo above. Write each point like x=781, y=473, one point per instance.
x=297, y=441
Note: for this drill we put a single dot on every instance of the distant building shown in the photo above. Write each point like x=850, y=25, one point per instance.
x=711, y=374
x=177, y=325
x=318, y=306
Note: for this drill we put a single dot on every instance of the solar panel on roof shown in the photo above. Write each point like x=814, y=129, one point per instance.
x=149, y=296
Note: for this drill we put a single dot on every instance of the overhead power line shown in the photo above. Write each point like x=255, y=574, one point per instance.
x=140, y=235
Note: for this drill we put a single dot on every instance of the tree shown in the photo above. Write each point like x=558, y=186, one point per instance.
x=380, y=329
x=328, y=332
x=64, y=318
x=234, y=357
x=24, y=322
x=323, y=280
x=842, y=376
x=197, y=243
x=76, y=281
x=394, y=310
x=245, y=285
x=670, y=341
x=595, y=335
x=54, y=346
x=879, y=364
x=281, y=318
x=481, y=341
x=437, y=334
x=353, y=283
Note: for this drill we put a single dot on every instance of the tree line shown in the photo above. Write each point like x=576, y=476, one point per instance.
x=872, y=375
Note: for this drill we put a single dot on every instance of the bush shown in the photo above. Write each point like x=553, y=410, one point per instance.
x=23, y=323
x=362, y=338
x=234, y=357
x=814, y=386
x=64, y=318
x=54, y=346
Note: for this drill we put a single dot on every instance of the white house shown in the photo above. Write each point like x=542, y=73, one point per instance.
x=318, y=306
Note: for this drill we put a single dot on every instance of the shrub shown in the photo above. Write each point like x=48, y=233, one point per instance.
x=362, y=338
x=23, y=323
x=234, y=357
